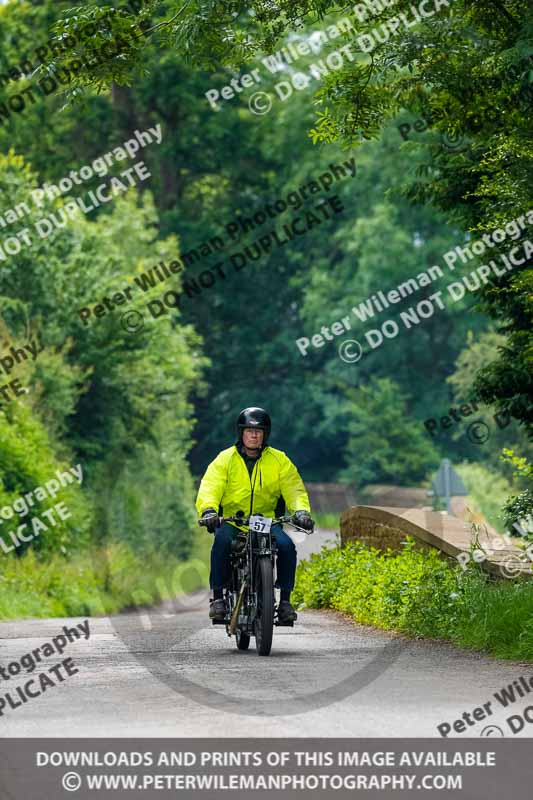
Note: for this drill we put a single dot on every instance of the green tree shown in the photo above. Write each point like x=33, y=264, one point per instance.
x=487, y=492
x=379, y=241
x=505, y=432
x=393, y=451
x=29, y=459
x=108, y=393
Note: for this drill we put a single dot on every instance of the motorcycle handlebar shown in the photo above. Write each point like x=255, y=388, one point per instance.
x=243, y=520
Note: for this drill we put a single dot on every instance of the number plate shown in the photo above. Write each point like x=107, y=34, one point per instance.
x=260, y=524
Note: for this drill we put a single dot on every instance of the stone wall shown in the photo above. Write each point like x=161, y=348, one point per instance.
x=356, y=525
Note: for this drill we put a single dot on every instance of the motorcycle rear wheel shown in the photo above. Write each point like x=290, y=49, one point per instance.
x=242, y=639
x=264, y=621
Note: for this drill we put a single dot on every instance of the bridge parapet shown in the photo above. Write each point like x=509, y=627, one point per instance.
x=387, y=527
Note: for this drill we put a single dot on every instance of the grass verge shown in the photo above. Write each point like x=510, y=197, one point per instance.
x=97, y=583
x=420, y=594
x=328, y=520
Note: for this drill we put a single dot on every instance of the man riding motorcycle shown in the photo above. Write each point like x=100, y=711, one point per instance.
x=251, y=477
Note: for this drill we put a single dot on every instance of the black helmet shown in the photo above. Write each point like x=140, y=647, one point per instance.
x=254, y=418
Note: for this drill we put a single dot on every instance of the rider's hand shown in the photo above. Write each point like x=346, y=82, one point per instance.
x=303, y=520
x=209, y=519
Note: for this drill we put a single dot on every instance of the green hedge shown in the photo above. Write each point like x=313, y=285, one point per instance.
x=420, y=594
x=99, y=583
x=27, y=461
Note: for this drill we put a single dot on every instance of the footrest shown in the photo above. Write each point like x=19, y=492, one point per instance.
x=285, y=624
x=219, y=621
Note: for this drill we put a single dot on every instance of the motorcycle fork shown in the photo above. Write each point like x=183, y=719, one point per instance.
x=236, y=610
x=265, y=548
x=240, y=572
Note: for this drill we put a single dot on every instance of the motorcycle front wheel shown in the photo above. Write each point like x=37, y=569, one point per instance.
x=264, y=620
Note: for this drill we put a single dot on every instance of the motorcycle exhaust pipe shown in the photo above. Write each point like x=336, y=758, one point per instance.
x=236, y=610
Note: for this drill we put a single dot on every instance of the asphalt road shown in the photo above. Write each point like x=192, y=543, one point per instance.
x=170, y=672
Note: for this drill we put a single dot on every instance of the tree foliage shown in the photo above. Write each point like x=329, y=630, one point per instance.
x=126, y=404
x=108, y=398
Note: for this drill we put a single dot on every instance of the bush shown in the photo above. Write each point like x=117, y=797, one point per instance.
x=28, y=460
x=99, y=583
x=518, y=509
x=395, y=451
x=419, y=593
x=487, y=492
x=150, y=505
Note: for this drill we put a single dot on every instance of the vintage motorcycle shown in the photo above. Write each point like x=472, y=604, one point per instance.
x=250, y=599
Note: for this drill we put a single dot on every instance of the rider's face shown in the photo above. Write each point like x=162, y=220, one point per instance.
x=252, y=438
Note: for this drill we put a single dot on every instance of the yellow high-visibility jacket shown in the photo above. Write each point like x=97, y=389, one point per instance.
x=227, y=483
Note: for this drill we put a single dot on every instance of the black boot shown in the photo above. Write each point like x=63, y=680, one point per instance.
x=218, y=609
x=286, y=612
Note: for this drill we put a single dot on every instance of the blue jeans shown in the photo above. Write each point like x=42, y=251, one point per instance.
x=220, y=575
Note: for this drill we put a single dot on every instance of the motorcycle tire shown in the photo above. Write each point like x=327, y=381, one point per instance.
x=264, y=621
x=243, y=640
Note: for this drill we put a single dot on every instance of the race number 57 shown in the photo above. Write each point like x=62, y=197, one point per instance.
x=260, y=524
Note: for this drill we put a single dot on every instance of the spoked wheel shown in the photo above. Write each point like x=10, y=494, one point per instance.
x=264, y=621
x=243, y=639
